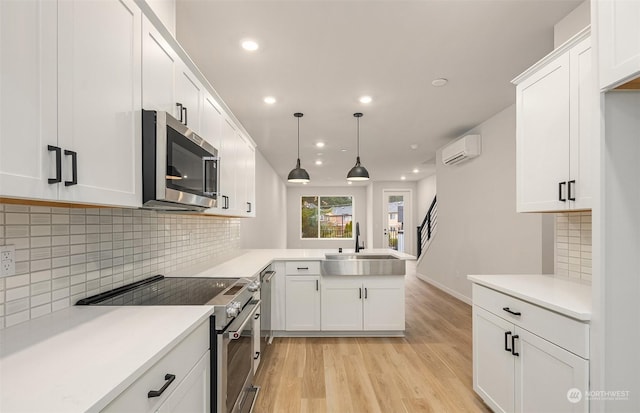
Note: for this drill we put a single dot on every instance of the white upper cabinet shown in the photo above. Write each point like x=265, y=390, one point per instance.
x=159, y=63
x=211, y=124
x=618, y=41
x=71, y=98
x=99, y=100
x=189, y=97
x=554, y=107
x=28, y=98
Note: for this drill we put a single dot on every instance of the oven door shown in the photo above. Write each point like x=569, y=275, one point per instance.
x=235, y=391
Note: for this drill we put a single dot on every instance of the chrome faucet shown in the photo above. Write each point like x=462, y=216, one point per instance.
x=357, y=237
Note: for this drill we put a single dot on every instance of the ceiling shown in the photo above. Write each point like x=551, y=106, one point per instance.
x=319, y=57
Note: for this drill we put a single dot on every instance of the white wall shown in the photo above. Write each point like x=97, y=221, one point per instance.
x=479, y=231
x=426, y=190
x=572, y=23
x=269, y=228
x=294, y=193
x=410, y=218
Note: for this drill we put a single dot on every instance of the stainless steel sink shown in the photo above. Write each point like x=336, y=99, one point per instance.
x=362, y=264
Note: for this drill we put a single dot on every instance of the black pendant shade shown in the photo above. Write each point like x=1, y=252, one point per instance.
x=358, y=172
x=297, y=174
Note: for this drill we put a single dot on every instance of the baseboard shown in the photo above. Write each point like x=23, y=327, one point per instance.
x=444, y=288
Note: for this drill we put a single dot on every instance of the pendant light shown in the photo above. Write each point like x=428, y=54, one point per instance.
x=358, y=172
x=298, y=174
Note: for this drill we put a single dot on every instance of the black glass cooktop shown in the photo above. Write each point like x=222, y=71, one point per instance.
x=160, y=290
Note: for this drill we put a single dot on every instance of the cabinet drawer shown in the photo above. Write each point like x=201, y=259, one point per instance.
x=563, y=331
x=302, y=267
x=179, y=361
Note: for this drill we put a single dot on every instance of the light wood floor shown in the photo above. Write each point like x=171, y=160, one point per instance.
x=429, y=370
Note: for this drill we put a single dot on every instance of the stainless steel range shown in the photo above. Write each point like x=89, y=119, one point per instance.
x=231, y=335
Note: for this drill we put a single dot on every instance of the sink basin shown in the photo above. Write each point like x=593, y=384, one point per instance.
x=362, y=264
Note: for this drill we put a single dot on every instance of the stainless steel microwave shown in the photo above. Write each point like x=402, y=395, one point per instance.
x=179, y=168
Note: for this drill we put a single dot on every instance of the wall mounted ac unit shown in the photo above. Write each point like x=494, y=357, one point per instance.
x=461, y=150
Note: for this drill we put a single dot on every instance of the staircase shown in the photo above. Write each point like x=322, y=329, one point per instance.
x=427, y=229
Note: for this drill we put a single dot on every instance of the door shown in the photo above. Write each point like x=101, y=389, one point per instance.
x=493, y=362
x=158, y=71
x=397, y=222
x=542, y=138
x=211, y=122
x=99, y=100
x=193, y=393
x=227, y=155
x=302, y=302
x=189, y=93
x=383, y=302
x=341, y=303
x=257, y=352
x=545, y=374
x=28, y=98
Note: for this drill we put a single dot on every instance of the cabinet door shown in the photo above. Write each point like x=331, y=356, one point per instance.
x=583, y=108
x=211, y=123
x=542, y=138
x=250, y=176
x=257, y=352
x=278, y=297
x=619, y=36
x=242, y=155
x=493, y=365
x=99, y=100
x=302, y=303
x=158, y=71
x=544, y=375
x=384, y=303
x=341, y=303
x=227, y=168
x=28, y=98
x=193, y=393
x=189, y=92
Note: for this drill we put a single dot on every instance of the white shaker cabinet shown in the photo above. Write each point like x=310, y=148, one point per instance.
x=302, y=302
x=555, y=102
x=228, y=168
x=70, y=101
x=527, y=358
x=189, y=98
x=159, y=63
x=211, y=122
x=361, y=303
x=193, y=393
x=618, y=40
x=28, y=98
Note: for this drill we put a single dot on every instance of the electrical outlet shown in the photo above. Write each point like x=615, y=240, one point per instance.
x=7, y=260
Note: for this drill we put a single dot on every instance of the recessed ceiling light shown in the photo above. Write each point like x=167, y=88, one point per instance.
x=343, y=150
x=416, y=170
x=318, y=162
x=270, y=100
x=414, y=146
x=319, y=144
x=439, y=82
x=349, y=182
x=365, y=99
x=250, y=45
x=403, y=177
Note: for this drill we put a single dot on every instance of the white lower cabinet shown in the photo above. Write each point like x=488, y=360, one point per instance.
x=302, y=302
x=182, y=378
x=362, y=303
x=517, y=370
x=257, y=352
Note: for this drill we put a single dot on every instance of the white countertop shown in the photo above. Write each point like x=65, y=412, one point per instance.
x=561, y=295
x=80, y=358
x=250, y=262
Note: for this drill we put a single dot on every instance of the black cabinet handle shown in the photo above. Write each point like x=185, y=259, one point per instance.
x=572, y=183
x=179, y=105
x=506, y=341
x=510, y=311
x=58, y=151
x=249, y=204
x=360, y=293
x=155, y=393
x=257, y=356
x=560, y=185
x=365, y=293
x=257, y=316
x=225, y=204
x=74, y=168
x=513, y=345
x=303, y=268
x=317, y=285
x=185, y=116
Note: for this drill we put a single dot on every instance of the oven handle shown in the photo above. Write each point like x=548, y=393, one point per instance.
x=235, y=334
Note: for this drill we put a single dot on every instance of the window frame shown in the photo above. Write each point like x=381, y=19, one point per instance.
x=318, y=238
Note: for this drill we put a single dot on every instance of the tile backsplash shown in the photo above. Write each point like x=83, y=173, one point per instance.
x=573, y=245
x=65, y=254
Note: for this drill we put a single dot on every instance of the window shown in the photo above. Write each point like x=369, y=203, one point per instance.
x=326, y=217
